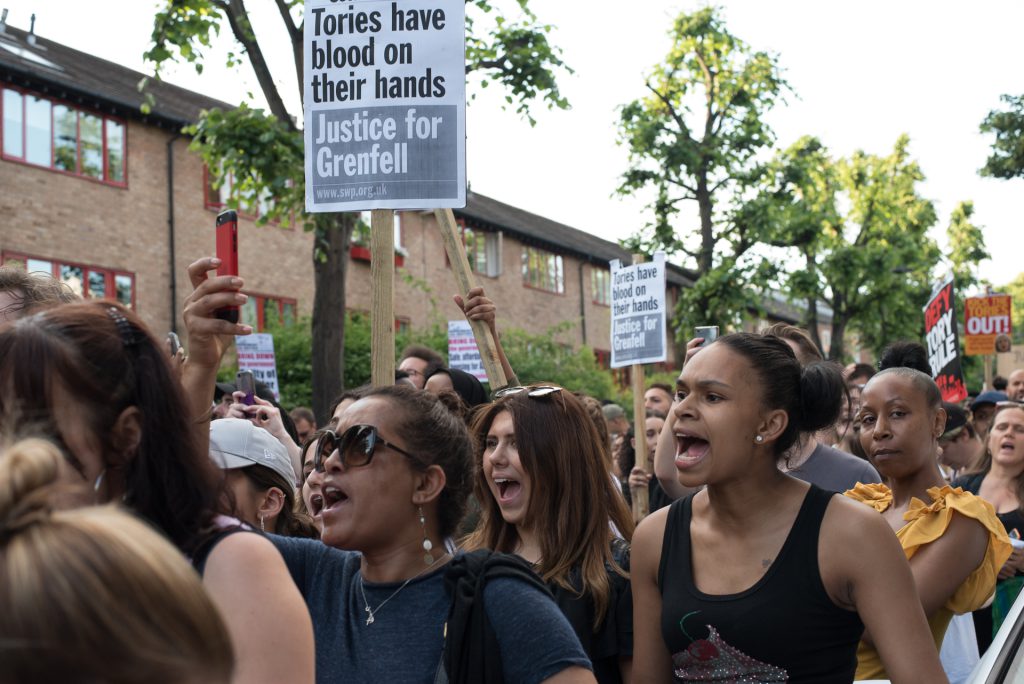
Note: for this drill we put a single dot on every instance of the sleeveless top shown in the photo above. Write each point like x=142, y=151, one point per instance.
x=784, y=628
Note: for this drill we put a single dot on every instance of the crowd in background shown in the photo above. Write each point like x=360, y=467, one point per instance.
x=807, y=522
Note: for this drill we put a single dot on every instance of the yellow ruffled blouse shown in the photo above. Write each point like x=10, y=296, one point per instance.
x=925, y=524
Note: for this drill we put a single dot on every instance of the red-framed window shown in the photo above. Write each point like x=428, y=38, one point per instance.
x=483, y=250
x=601, y=286
x=46, y=132
x=260, y=309
x=86, y=280
x=543, y=270
x=216, y=197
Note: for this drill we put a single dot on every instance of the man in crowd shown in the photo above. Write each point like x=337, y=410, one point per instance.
x=415, y=359
x=305, y=422
x=960, y=444
x=658, y=397
x=1015, y=385
x=618, y=424
x=983, y=410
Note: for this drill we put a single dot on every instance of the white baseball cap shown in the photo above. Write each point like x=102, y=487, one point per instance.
x=237, y=443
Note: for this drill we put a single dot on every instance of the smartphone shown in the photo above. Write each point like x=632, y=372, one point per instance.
x=173, y=343
x=246, y=382
x=708, y=332
x=227, y=252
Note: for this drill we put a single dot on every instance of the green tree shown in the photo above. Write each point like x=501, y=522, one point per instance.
x=1015, y=289
x=1007, y=158
x=966, y=249
x=263, y=150
x=696, y=139
x=859, y=228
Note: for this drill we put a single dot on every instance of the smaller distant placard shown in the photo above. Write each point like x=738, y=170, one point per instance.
x=638, y=312
x=462, y=350
x=256, y=353
x=987, y=325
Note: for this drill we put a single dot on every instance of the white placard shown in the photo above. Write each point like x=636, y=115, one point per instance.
x=638, y=312
x=256, y=353
x=462, y=350
x=384, y=104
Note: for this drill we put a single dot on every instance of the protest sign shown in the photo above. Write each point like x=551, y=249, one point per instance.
x=384, y=104
x=940, y=331
x=256, y=353
x=986, y=320
x=462, y=350
x=638, y=312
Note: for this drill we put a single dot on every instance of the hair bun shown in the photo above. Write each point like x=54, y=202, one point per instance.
x=28, y=471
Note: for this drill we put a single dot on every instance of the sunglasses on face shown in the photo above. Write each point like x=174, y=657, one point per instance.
x=532, y=392
x=355, y=447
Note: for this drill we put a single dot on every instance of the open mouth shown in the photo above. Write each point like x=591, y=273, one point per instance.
x=690, y=449
x=508, y=489
x=332, y=496
x=316, y=504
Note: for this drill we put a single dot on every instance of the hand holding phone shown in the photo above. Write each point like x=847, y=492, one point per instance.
x=173, y=343
x=709, y=333
x=227, y=252
x=245, y=381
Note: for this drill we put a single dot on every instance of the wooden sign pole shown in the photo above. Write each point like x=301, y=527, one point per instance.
x=465, y=281
x=382, y=302
x=641, y=505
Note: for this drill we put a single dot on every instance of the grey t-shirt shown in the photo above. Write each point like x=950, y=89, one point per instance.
x=406, y=639
x=835, y=470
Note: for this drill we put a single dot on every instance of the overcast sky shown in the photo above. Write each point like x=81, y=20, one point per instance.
x=862, y=74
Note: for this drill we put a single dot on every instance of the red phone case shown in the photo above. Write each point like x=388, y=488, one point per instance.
x=227, y=252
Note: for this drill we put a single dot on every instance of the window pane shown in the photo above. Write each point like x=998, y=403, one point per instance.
x=40, y=266
x=72, y=275
x=248, y=313
x=13, y=123
x=115, y=151
x=271, y=312
x=123, y=284
x=65, y=138
x=37, y=117
x=288, y=313
x=92, y=145
x=97, y=284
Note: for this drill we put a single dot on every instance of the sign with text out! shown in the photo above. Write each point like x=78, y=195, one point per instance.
x=385, y=104
x=940, y=332
x=638, y=312
x=987, y=324
x=462, y=350
x=256, y=353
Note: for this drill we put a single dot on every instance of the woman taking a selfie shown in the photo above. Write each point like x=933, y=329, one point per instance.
x=760, y=576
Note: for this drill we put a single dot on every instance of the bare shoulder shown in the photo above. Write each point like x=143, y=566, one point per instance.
x=645, y=549
x=244, y=558
x=846, y=520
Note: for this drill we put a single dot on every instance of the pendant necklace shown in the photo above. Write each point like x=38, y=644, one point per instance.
x=366, y=604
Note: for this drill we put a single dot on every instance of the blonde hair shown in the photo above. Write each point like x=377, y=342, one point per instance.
x=93, y=594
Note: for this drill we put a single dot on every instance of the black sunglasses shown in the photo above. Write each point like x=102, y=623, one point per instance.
x=355, y=446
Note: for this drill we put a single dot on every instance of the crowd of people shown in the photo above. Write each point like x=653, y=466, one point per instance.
x=807, y=522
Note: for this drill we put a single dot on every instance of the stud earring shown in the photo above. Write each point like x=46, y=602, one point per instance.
x=427, y=546
x=759, y=439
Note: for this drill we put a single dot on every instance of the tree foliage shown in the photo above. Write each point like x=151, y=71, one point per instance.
x=1007, y=158
x=695, y=140
x=859, y=227
x=1015, y=289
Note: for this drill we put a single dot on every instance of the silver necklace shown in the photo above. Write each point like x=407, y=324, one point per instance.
x=366, y=604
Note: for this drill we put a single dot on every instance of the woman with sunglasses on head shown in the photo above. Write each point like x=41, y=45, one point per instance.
x=395, y=477
x=546, y=496
x=93, y=379
x=760, y=576
x=952, y=539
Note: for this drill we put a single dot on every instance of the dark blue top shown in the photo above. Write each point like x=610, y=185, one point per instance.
x=406, y=639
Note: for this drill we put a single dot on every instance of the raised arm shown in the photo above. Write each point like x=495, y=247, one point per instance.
x=478, y=307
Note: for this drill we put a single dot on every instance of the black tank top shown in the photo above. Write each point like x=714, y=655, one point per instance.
x=784, y=628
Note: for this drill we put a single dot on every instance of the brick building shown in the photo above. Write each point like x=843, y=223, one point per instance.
x=111, y=200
